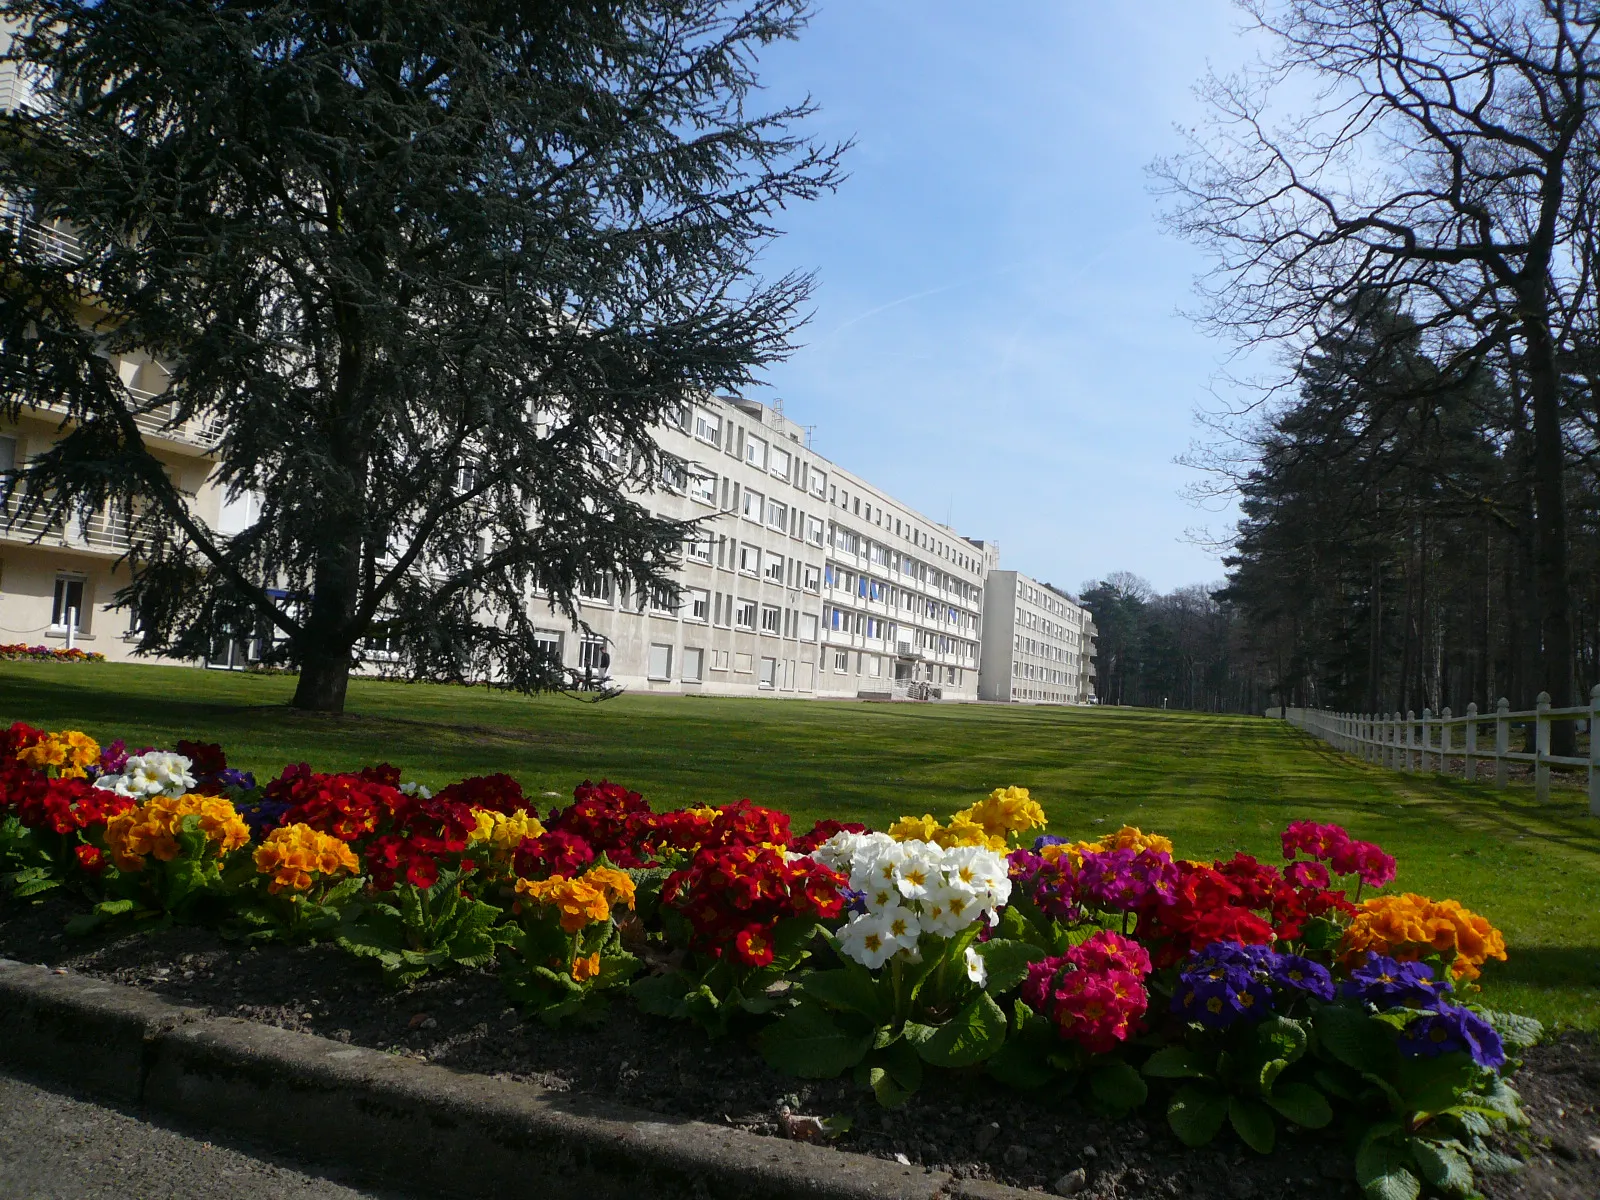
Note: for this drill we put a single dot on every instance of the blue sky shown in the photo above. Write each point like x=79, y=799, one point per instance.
x=996, y=337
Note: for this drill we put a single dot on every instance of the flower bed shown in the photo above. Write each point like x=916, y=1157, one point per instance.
x=19, y=652
x=1237, y=998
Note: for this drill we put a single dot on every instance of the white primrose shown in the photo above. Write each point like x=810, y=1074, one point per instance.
x=910, y=888
x=154, y=773
x=977, y=969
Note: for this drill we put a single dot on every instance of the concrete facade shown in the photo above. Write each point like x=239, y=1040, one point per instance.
x=806, y=581
x=1038, y=644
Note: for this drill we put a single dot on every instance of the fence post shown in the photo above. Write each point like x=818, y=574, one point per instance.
x=1426, y=740
x=1445, y=741
x=1594, y=751
x=1502, y=741
x=1411, y=739
x=1471, y=767
x=1395, y=762
x=1541, y=749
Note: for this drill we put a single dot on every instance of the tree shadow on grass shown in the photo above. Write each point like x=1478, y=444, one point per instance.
x=1549, y=966
x=1511, y=810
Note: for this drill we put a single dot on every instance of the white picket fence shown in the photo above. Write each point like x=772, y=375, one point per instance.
x=1433, y=742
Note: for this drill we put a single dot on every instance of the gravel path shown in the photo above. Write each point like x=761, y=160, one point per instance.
x=57, y=1147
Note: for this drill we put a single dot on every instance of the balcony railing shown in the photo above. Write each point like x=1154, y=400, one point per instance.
x=103, y=533
x=157, y=421
x=49, y=238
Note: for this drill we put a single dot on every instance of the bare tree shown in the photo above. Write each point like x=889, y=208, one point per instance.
x=1437, y=152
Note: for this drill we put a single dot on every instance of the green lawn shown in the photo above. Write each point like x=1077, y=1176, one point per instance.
x=1211, y=783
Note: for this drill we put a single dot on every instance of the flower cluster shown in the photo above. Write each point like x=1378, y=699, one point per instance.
x=500, y=834
x=347, y=806
x=66, y=755
x=1438, y=1026
x=1410, y=927
x=988, y=823
x=1332, y=845
x=734, y=896
x=1094, y=994
x=585, y=900
x=294, y=856
x=151, y=773
x=213, y=776
x=152, y=828
x=21, y=652
x=908, y=888
x=1227, y=982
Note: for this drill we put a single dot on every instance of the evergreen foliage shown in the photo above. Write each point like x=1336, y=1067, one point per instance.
x=431, y=273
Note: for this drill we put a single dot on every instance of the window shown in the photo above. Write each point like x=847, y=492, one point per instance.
x=755, y=453
x=814, y=530
x=702, y=486
x=874, y=666
x=819, y=483
x=771, y=618
x=699, y=604
x=662, y=601
x=749, y=559
x=741, y=664
x=841, y=661
x=593, y=656
x=693, y=664
x=548, y=643
x=811, y=578
x=754, y=506
x=769, y=672
x=698, y=549
x=744, y=614
x=660, y=661
x=779, y=463
x=808, y=627
x=719, y=660
x=778, y=516
x=596, y=587
x=708, y=428
x=68, y=607
x=774, y=571
x=674, y=474
x=677, y=416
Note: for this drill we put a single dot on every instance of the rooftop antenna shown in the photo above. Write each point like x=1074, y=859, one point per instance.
x=810, y=429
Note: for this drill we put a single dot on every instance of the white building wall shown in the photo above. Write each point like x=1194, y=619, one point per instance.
x=1038, y=645
x=808, y=581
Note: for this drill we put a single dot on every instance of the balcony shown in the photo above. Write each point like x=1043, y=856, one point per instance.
x=104, y=533
x=156, y=421
x=49, y=238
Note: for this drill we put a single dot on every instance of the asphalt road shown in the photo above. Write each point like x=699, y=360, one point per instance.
x=59, y=1147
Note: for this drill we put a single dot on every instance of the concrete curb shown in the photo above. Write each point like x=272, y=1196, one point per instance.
x=415, y=1124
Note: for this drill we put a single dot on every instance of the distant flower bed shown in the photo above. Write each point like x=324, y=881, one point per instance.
x=17, y=652
x=1231, y=993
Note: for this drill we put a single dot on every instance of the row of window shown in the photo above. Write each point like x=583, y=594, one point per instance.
x=865, y=587
x=1041, y=674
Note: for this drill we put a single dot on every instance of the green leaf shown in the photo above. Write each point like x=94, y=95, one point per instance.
x=970, y=1036
x=1269, y=1074
x=1430, y=1085
x=1253, y=1122
x=853, y=991
x=1383, y=1170
x=1196, y=1113
x=1117, y=1088
x=806, y=1042
x=1007, y=962
x=1335, y=1081
x=1175, y=1062
x=1516, y=1031
x=1443, y=1166
x=1319, y=933
x=1018, y=1064
x=1302, y=1104
x=1355, y=1039
x=886, y=1088
x=1281, y=1037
